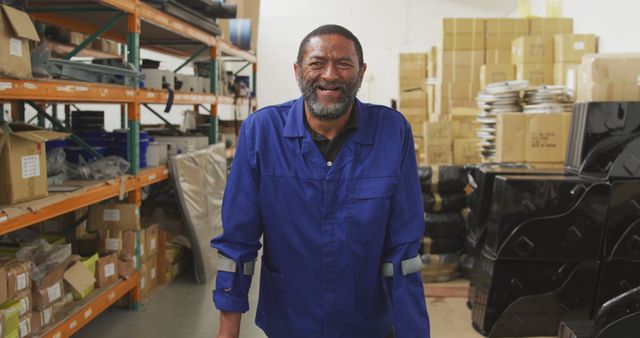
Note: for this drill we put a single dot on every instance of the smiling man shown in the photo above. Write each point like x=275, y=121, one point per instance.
x=331, y=185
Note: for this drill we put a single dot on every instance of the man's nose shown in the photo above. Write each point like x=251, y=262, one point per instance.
x=330, y=72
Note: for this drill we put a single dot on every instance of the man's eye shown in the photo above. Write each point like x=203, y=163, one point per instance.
x=316, y=65
x=344, y=65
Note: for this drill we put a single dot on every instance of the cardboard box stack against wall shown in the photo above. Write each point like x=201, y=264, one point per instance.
x=413, y=95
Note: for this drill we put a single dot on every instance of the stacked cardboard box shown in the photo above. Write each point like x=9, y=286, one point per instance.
x=499, y=35
x=533, y=57
x=459, y=60
x=609, y=77
x=412, y=70
x=438, y=143
x=550, y=26
x=532, y=138
x=413, y=95
x=568, y=52
x=463, y=126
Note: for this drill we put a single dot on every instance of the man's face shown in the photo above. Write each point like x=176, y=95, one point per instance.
x=329, y=76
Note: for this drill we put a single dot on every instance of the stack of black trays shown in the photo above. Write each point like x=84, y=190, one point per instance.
x=555, y=248
x=444, y=197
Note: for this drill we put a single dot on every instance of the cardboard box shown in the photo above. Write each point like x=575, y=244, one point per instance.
x=436, y=133
x=3, y=285
x=151, y=238
x=432, y=64
x=414, y=115
x=17, y=274
x=43, y=298
x=536, y=73
x=449, y=58
x=106, y=270
x=462, y=41
x=126, y=268
x=23, y=162
x=496, y=73
x=560, y=74
x=463, y=25
x=151, y=271
x=76, y=38
x=57, y=225
x=43, y=318
x=16, y=30
x=413, y=99
x=465, y=151
x=457, y=74
x=413, y=65
x=609, y=77
x=80, y=280
x=501, y=41
x=507, y=25
x=547, y=136
x=532, y=49
x=497, y=56
x=154, y=78
x=572, y=47
x=550, y=26
x=457, y=90
x=106, y=46
x=27, y=326
x=122, y=243
x=510, y=137
x=113, y=216
x=439, y=154
x=26, y=301
x=463, y=126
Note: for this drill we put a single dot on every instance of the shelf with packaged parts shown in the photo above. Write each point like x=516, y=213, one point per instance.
x=64, y=91
x=22, y=215
x=160, y=97
x=87, y=309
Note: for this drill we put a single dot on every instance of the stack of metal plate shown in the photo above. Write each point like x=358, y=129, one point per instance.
x=547, y=99
x=500, y=97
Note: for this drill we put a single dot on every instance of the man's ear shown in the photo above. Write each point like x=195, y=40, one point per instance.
x=364, y=69
x=296, y=70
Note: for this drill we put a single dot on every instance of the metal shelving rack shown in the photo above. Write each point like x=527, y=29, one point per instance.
x=144, y=26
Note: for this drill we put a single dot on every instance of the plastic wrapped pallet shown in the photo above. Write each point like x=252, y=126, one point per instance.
x=443, y=179
x=445, y=225
x=436, y=202
x=440, y=245
x=440, y=268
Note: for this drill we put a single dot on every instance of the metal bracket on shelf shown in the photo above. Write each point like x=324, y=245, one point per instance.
x=166, y=122
x=65, y=69
x=243, y=68
x=91, y=38
x=205, y=108
x=58, y=125
x=191, y=58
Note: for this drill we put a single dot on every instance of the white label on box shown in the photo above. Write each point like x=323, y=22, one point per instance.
x=578, y=45
x=141, y=249
x=109, y=270
x=152, y=244
x=143, y=282
x=54, y=292
x=25, y=328
x=46, y=316
x=153, y=273
x=113, y=244
x=15, y=47
x=51, y=226
x=88, y=313
x=21, y=281
x=24, y=305
x=31, y=86
x=30, y=166
x=111, y=215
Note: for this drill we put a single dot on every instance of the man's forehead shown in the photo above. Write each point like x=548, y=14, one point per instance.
x=333, y=44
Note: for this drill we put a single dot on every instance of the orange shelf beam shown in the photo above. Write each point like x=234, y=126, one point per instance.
x=153, y=175
x=64, y=91
x=83, y=315
x=90, y=197
x=160, y=97
x=75, y=25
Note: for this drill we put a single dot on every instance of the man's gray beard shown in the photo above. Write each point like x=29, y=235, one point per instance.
x=333, y=111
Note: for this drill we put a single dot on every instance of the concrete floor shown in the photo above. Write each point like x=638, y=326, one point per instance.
x=185, y=309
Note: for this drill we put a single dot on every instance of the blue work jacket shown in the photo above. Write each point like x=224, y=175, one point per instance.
x=327, y=227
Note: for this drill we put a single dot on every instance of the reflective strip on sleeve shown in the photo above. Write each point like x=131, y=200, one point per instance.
x=229, y=265
x=387, y=269
x=411, y=265
x=226, y=264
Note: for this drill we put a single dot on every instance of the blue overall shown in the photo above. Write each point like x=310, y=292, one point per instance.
x=327, y=227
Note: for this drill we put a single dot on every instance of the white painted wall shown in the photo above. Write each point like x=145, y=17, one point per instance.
x=384, y=28
x=615, y=22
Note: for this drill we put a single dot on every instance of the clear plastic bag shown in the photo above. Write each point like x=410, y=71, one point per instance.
x=104, y=168
x=56, y=161
x=44, y=257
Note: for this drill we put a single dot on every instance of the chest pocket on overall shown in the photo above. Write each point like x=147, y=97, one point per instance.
x=371, y=201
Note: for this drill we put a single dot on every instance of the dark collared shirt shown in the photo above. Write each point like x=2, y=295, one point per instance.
x=330, y=148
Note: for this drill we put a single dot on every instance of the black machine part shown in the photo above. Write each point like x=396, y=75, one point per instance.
x=213, y=8
x=619, y=317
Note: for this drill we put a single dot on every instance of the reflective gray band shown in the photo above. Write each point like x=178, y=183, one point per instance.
x=387, y=269
x=411, y=265
x=229, y=265
x=408, y=266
